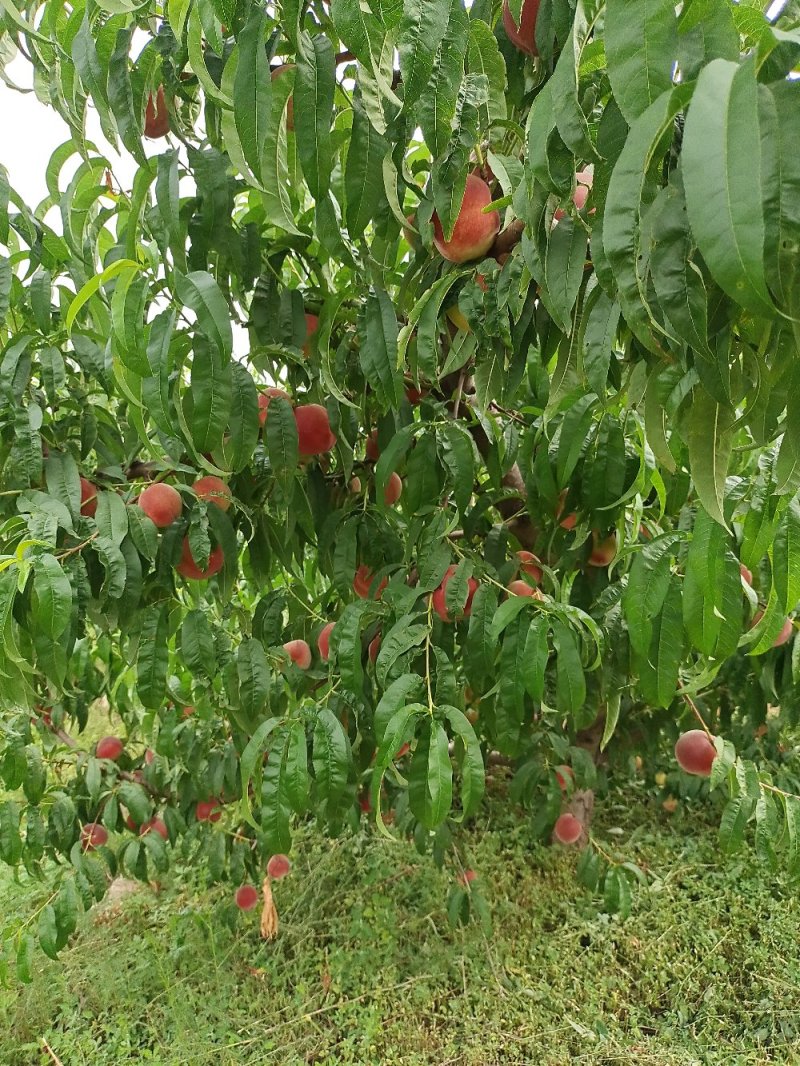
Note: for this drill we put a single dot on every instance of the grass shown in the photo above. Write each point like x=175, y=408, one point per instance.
x=367, y=970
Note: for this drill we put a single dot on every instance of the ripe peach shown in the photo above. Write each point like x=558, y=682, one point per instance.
x=156, y=115
x=564, y=776
x=246, y=895
x=276, y=73
x=523, y=36
x=529, y=564
x=93, y=835
x=467, y=877
x=188, y=568
x=208, y=810
x=394, y=486
x=299, y=652
x=522, y=588
x=314, y=435
x=474, y=231
x=374, y=648
x=109, y=748
x=312, y=325
x=161, y=503
x=88, y=498
x=373, y=451
x=324, y=640
x=155, y=825
x=440, y=603
x=414, y=395
x=783, y=636
x=571, y=520
x=187, y=712
x=567, y=829
x=583, y=180
x=362, y=582
x=355, y=486
x=747, y=575
x=212, y=489
x=149, y=755
x=264, y=398
x=695, y=752
x=409, y=231
x=603, y=551
x=278, y=867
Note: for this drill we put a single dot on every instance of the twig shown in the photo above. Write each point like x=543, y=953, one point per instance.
x=46, y=1047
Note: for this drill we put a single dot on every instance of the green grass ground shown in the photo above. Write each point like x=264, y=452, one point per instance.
x=367, y=970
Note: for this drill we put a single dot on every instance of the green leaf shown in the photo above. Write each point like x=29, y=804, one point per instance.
x=363, y=178
x=314, y=87
x=406, y=688
x=422, y=28
x=640, y=38
x=331, y=761
x=152, y=659
x=722, y=136
x=251, y=758
x=378, y=351
x=473, y=771
x=200, y=292
x=280, y=432
x=52, y=597
x=254, y=678
x=430, y=779
x=710, y=440
x=252, y=98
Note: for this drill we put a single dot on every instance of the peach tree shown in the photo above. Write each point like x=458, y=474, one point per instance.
x=392, y=390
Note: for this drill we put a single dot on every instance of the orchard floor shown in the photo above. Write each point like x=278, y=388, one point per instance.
x=366, y=969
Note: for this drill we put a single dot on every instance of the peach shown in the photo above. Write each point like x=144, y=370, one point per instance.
x=571, y=520
x=362, y=582
x=208, y=810
x=88, y=498
x=312, y=325
x=187, y=712
x=149, y=755
x=156, y=115
x=93, y=835
x=264, y=398
x=373, y=451
x=522, y=588
x=783, y=636
x=746, y=574
x=299, y=652
x=212, y=489
x=440, y=603
x=603, y=551
x=583, y=185
x=246, y=897
x=155, y=825
x=324, y=640
x=567, y=829
x=409, y=231
x=695, y=752
x=414, y=395
x=276, y=73
x=474, y=231
x=467, y=877
x=278, y=867
x=394, y=487
x=161, y=503
x=188, y=568
x=522, y=36
x=355, y=486
x=564, y=776
x=314, y=435
x=529, y=564
x=109, y=748
x=374, y=648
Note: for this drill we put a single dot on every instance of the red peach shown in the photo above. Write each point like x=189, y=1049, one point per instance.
x=161, y=503
x=362, y=583
x=208, y=810
x=188, y=568
x=746, y=575
x=212, y=489
x=374, y=648
x=529, y=564
x=567, y=829
x=564, y=776
x=246, y=897
x=299, y=652
x=109, y=748
x=522, y=36
x=695, y=752
x=324, y=640
x=373, y=452
x=93, y=835
x=314, y=434
x=264, y=398
x=312, y=325
x=278, y=867
x=603, y=551
x=156, y=115
x=522, y=588
x=88, y=498
x=394, y=487
x=440, y=602
x=155, y=825
x=467, y=877
x=474, y=231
